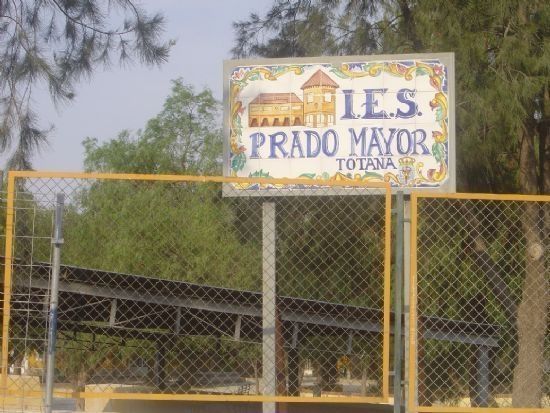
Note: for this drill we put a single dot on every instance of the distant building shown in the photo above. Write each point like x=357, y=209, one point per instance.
x=319, y=100
x=317, y=110
x=275, y=109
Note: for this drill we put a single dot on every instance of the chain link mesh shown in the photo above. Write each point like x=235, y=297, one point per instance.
x=482, y=299
x=161, y=289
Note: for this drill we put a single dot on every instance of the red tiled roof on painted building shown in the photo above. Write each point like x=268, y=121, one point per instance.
x=320, y=78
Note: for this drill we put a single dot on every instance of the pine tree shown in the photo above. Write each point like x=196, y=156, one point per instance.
x=56, y=43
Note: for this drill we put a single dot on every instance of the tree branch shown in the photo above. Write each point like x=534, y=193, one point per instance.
x=86, y=26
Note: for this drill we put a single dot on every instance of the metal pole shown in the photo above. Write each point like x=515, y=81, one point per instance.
x=406, y=288
x=398, y=286
x=57, y=241
x=269, y=308
x=483, y=386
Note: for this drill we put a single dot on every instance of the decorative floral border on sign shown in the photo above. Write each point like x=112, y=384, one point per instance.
x=411, y=173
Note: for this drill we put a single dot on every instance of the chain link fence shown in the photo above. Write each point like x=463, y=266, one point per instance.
x=190, y=288
x=479, y=302
x=198, y=289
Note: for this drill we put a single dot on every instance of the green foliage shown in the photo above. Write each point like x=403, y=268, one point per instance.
x=82, y=355
x=184, y=137
x=298, y=28
x=181, y=232
x=331, y=249
x=57, y=43
x=168, y=230
x=453, y=286
x=503, y=69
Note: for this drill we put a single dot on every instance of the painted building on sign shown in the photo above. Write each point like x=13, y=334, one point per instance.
x=275, y=109
x=364, y=119
x=316, y=110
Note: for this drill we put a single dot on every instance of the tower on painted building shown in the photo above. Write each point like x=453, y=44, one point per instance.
x=319, y=99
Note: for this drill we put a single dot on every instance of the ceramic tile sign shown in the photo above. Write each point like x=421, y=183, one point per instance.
x=369, y=118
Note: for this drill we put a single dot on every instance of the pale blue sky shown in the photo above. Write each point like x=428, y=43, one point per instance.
x=126, y=98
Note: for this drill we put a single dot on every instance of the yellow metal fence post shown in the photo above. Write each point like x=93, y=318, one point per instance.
x=412, y=309
x=7, y=278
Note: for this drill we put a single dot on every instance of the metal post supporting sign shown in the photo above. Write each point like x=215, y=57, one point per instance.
x=57, y=241
x=269, y=307
x=407, y=287
x=398, y=289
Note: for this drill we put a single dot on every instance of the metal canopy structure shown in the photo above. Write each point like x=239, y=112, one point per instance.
x=130, y=307
x=135, y=306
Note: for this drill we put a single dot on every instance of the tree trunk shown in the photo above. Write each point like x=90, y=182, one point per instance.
x=533, y=309
x=409, y=25
x=544, y=133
